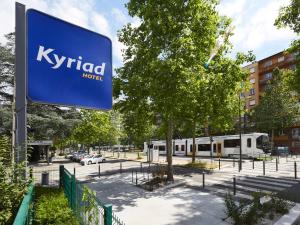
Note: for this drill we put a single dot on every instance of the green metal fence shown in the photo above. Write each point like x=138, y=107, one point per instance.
x=91, y=210
x=25, y=212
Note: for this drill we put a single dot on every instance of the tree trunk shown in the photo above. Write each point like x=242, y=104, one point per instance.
x=194, y=142
x=169, y=150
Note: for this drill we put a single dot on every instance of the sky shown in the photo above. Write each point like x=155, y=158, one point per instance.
x=253, y=21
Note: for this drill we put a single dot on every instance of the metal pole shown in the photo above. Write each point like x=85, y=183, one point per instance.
x=203, y=179
x=240, y=163
x=276, y=164
x=74, y=172
x=264, y=167
x=141, y=166
x=253, y=163
x=219, y=164
x=233, y=162
x=234, y=185
x=295, y=167
x=132, y=176
x=99, y=170
x=120, y=167
x=20, y=106
x=136, y=180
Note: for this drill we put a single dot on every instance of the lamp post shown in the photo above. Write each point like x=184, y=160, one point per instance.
x=240, y=133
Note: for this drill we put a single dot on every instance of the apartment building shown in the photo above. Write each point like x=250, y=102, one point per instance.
x=260, y=74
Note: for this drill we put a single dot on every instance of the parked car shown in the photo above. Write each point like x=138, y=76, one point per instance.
x=92, y=159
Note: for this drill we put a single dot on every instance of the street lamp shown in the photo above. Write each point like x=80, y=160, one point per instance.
x=240, y=132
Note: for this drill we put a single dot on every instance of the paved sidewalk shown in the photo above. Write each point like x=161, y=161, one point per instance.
x=175, y=206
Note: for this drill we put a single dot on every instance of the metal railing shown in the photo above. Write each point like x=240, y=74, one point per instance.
x=92, y=211
x=25, y=212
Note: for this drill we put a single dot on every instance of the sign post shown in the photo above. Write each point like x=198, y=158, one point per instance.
x=20, y=118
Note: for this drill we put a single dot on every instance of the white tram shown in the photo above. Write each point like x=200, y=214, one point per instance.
x=253, y=145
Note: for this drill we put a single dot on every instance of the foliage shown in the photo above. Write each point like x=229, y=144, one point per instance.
x=96, y=127
x=51, y=207
x=278, y=107
x=247, y=214
x=90, y=206
x=201, y=165
x=289, y=16
x=12, y=184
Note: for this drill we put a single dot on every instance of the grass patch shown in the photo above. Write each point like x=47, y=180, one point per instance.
x=267, y=158
x=51, y=207
x=201, y=165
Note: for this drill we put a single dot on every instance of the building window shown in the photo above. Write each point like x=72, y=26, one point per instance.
x=252, y=91
x=182, y=148
x=252, y=70
x=252, y=102
x=249, y=142
x=252, y=81
x=191, y=148
x=176, y=148
x=281, y=59
x=232, y=143
x=268, y=76
x=268, y=63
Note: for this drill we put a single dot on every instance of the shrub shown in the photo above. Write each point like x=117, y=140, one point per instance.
x=52, y=207
x=12, y=183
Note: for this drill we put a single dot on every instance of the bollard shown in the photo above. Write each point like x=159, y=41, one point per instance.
x=99, y=171
x=253, y=163
x=132, y=176
x=264, y=168
x=234, y=185
x=120, y=167
x=203, y=179
x=295, y=167
x=233, y=162
x=276, y=164
x=219, y=164
x=74, y=171
x=278, y=159
x=136, y=181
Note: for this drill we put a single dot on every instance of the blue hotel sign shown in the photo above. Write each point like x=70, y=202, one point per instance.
x=66, y=64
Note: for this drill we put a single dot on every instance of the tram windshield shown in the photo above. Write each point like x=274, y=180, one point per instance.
x=262, y=142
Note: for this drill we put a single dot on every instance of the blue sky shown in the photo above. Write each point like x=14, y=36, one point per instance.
x=253, y=21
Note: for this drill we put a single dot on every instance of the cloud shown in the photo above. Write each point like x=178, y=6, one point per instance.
x=254, y=22
x=119, y=16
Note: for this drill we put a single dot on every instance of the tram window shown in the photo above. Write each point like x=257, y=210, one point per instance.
x=176, y=148
x=204, y=147
x=249, y=142
x=182, y=147
x=231, y=143
x=161, y=148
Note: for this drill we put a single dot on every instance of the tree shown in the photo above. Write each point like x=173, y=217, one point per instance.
x=164, y=72
x=289, y=16
x=278, y=108
x=95, y=127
